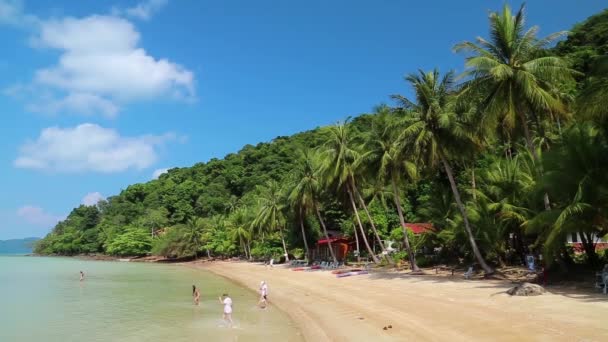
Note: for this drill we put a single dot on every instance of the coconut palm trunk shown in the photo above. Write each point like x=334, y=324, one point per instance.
x=284, y=245
x=473, y=183
x=448, y=170
x=371, y=221
x=357, y=243
x=249, y=249
x=354, y=206
x=406, y=240
x=331, y=249
x=242, y=244
x=304, y=234
x=535, y=156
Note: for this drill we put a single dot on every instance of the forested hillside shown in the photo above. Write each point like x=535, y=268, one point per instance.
x=505, y=160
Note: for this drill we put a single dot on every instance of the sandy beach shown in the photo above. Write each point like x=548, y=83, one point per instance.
x=420, y=308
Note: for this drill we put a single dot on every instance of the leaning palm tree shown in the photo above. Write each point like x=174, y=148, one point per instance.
x=513, y=78
x=271, y=207
x=339, y=161
x=304, y=193
x=434, y=132
x=386, y=159
x=193, y=236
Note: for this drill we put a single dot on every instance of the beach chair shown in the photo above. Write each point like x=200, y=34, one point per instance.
x=469, y=273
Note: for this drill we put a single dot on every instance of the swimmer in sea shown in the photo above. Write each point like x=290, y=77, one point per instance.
x=196, y=294
x=81, y=276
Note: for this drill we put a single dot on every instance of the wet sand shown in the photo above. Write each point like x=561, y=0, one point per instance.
x=419, y=308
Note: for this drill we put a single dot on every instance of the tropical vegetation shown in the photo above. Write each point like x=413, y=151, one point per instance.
x=505, y=159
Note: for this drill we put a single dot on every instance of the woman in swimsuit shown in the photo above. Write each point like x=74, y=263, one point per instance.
x=196, y=294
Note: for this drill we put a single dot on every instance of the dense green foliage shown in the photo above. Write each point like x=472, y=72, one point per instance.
x=506, y=162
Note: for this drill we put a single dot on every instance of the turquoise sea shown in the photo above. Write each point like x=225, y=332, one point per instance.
x=42, y=299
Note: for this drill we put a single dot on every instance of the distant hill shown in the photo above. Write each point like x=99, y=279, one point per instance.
x=17, y=246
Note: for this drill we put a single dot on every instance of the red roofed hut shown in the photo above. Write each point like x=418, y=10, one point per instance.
x=339, y=244
x=420, y=228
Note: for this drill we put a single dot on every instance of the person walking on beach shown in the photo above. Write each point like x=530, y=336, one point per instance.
x=81, y=276
x=227, y=302
x=196, y=294
x=263, y=302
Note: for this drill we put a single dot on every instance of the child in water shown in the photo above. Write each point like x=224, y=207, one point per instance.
x=81, y=276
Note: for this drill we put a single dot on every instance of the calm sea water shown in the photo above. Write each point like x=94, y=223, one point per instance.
x=42, y=299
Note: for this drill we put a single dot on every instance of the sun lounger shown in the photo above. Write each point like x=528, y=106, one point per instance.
x=353, y=273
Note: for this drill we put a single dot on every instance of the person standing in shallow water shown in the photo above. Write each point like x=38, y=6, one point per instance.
x=227, y=302
x=263, y=302
x=81, y=276
x=196, y=295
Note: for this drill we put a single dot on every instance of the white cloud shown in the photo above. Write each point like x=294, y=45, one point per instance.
x=143, y=10
x=101, y=65
x=11, y=13
x=92, y=198
x=159, y=172
x=82, y=103
x=89, y=147
x=38, y=216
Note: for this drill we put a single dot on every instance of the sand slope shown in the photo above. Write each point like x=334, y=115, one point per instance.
x=421, y=308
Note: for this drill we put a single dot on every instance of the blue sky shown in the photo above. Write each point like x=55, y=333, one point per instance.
x=97, y=95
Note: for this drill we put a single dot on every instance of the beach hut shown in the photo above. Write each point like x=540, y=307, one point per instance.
x=340, y=245
x=420, y=228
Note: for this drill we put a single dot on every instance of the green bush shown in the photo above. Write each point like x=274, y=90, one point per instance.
x=132, y=242
x=298, y=253
x=423, y=261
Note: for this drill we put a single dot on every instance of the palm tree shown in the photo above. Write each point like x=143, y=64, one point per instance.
x=340, y=160
x=576, y=168
x=303, y=195
x=193, y=235
x=271, y=207
x=433, y=131
x=592, y=99
x=240, y=224
x=506, y=189
x=514, y=80
x=388, y=161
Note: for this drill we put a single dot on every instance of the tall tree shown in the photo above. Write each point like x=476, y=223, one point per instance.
x=434, y=132
x=390, y=163
x=516, y=80
x=271, y=211
x=513, y=77
x=303, y=195
x=340, y=158
x=193, y=235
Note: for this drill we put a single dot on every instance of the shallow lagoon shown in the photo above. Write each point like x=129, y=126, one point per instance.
x=42, y=299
